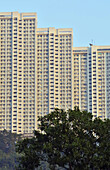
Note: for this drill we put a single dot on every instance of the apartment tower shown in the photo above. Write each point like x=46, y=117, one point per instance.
x=41, y=70
x=80, y=77
x=54, y=69
x=18, y=72
x=92, y=79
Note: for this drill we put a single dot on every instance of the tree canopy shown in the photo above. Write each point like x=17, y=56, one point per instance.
x=8, y=156
x=67, y=140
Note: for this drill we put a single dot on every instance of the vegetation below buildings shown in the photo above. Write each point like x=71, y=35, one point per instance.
x=8, y=155
x=67, y=140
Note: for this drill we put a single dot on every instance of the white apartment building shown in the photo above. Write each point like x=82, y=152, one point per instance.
x=100, y=65
x=54, y=69
x=41, y=70
x=92, y=79
x=80, y=81
x=35, y=71
x=18, y=72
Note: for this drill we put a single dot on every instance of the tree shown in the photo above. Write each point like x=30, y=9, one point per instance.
x=69, y=140
x=8, y=156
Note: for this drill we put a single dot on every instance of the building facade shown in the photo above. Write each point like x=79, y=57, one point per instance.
x=41, y=70
x=18, y=72
x=54, y=69
x=80, y=75
x=92, y=79
x=35, y=71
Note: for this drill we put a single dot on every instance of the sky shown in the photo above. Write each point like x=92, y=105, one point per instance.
x=90, y=19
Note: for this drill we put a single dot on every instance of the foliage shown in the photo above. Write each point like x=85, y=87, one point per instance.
x=69, y=140
x=7, y=150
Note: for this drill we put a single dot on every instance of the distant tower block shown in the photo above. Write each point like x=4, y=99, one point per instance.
x=18, y=72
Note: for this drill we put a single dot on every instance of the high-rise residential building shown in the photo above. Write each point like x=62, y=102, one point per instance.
x=80, y=81
x=100, y=65
x=41, y=70
x=54, y=69
x=35, y=71
x=18, y=71
x=92, y=81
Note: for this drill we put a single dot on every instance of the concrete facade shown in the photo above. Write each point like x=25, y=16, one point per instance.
x=18, y=72
x=92, y=79
x=54, y=69
x=41, y=70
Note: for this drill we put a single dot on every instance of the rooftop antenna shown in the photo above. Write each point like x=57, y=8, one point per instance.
x=91, y=44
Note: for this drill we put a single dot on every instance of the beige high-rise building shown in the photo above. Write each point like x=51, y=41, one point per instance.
x=100, y=65
x=18, y=72
x=54, y=69
x=35, y=71
x=80, y=81
x=92, y=79
x=41, y=70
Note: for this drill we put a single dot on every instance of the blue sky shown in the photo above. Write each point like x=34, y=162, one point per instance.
x=90, y=19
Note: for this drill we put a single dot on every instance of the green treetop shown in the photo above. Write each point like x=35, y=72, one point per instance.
x=68, y=140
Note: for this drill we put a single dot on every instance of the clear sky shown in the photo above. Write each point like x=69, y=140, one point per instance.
x=90, y=19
